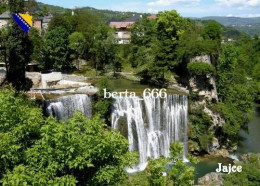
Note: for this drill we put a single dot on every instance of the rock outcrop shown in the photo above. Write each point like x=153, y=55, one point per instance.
x=204, y=87
x=203, y=58
x=211, y=179
x=36, y=78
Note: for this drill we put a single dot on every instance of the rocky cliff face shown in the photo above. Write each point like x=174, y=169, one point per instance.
x=211, y=179
x=205, y=88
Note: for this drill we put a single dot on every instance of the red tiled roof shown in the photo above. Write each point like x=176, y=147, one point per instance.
x=152, y=17
x=121, y=24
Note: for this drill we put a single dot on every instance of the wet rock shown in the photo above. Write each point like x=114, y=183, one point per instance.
x=221, y=152
x=214, y=145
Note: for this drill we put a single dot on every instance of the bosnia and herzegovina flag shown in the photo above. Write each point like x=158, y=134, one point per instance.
x=24, y=21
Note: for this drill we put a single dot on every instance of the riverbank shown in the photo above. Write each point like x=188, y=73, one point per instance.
x=249, y=143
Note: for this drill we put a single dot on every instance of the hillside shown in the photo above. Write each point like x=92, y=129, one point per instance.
x=250, y=26
x=105, y=15
x=53, y=9
x=227, y=21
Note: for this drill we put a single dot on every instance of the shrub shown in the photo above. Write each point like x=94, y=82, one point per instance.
x=201, y=123
x=200, y=68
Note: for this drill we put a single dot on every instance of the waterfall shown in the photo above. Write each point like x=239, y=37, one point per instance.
x=64, y=107
x=152, y=125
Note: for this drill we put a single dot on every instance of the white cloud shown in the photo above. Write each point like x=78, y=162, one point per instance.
x=230, y=15
x=239, y=3
x=171, y=2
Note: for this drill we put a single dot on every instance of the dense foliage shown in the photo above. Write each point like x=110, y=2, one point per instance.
x=180, y=173
x=250, y=174
x=43, y=151
x=235, y=92
x=3, y=7
x=200, y=133
x=46, y=151
x=56, y=50
x=20, y=123
x=200, y=68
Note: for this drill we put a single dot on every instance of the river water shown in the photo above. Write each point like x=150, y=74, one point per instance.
x=250, y=142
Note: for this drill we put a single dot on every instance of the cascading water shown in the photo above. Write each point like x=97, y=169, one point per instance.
x=64, y=107
x=152, y=125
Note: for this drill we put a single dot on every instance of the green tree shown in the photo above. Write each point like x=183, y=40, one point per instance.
x=212, y=31
x=170, y=26
x=67, y=151
x=18, y=49
x=225, y=70
x=37, y=42
x=143, y=32
x=181, y=173
x=256, y=72
x=157, y=172
x=56, y=53
x=78, y=46
x=200, y=125
x=104, y=49
x=144, y=58
x=102, y=105
x=20, y=122
x=235, y=93
x=3, y=7
x=60, y=21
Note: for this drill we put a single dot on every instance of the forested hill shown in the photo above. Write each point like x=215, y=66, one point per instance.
x=106, y=15
x=250, y=26
x=53, y=9
x=227, y=21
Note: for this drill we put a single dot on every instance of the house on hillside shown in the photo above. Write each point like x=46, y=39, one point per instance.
x=4, y=18
x=123, y=29
x=41, y=23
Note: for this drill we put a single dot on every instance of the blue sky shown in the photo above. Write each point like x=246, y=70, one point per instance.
x=187, y=8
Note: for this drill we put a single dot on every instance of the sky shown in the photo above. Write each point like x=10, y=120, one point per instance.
x=187, y=8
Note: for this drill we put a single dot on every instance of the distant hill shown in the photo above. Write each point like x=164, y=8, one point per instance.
x=111, y=15
x=228, y=21
x=105, y=15
x=53, y=9
x=250, y=26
